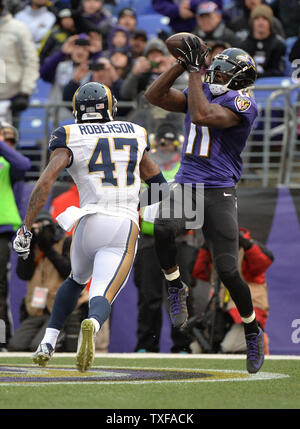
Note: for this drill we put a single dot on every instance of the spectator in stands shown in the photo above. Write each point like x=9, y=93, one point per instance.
x=38, y=18
x=254, y=260
x=19, y=64
x=148, y=277
x=210, y=25
x=46, y=267
x=241, y=25
x=91, y=15
x=96, y=44
x=56, y=37
x=13, y=166
x=288, y=12
x=119, y=37
x=145, y=70
x=267, y=48
x=100, y=71
x=138, y=42
x=70, y=62
x=127, y=19
x=121, y=61
x=180, y=12
x=155, y=58
x=59, y=67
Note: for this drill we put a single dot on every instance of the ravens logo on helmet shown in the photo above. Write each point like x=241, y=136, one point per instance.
x=233, y=69
x=94, y=101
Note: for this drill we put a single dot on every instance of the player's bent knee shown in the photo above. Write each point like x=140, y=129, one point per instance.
x=229, y=278
x=226, y=266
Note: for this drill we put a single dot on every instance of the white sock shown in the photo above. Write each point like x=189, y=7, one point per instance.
x=50, y=336
x=96, y=324
x=172, y=276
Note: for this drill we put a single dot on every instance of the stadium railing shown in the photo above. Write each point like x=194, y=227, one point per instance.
x=292, y=161
x=269, y=148
x=271, y=157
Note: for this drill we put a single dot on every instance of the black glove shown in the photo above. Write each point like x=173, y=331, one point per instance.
x=20, y=102
x=192, y=57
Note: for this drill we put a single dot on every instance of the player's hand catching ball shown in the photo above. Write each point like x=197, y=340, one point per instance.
x=192, y=55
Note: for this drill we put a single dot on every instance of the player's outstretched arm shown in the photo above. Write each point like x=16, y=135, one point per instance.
x=204, y=113
x=161, y=94
x=58, y=161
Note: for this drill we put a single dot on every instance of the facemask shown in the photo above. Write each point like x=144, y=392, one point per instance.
x=217, y=89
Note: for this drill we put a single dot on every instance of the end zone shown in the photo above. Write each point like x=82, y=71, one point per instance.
x=18, y=374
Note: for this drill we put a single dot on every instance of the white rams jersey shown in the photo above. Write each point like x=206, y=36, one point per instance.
x=104, y=164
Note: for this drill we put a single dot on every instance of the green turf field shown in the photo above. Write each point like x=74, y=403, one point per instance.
x=184, y=383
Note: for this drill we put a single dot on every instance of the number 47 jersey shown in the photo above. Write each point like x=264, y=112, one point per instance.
x=104, y=164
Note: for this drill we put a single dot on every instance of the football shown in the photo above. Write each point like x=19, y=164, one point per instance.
x=175, y=41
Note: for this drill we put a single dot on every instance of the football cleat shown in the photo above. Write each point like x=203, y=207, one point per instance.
x=86, y=346
x=177, y=305
x=43, y=354
x=255, y=351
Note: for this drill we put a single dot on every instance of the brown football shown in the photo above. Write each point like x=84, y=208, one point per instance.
x=175, y=41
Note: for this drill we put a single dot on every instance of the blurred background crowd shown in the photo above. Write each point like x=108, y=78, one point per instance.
x=121, y=43
x=50, y=48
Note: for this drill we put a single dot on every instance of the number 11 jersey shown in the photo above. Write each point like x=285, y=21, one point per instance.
x=212, y=156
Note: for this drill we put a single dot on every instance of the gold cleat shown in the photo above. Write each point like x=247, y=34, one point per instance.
x=86, y=346
x=43, y=354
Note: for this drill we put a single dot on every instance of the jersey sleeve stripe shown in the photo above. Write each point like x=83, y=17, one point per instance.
x=67, y=129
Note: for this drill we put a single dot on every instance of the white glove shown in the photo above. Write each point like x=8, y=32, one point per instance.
x=21, y=243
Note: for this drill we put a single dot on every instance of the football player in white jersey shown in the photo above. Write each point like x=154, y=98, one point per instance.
x=107, y=160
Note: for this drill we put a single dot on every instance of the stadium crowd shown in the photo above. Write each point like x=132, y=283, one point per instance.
x=70, y=42
x=67, y=43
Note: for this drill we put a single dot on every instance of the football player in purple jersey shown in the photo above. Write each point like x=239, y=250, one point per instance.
x=220, y=113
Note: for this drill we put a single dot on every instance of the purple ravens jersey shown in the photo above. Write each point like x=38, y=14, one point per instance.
x=212, y=156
